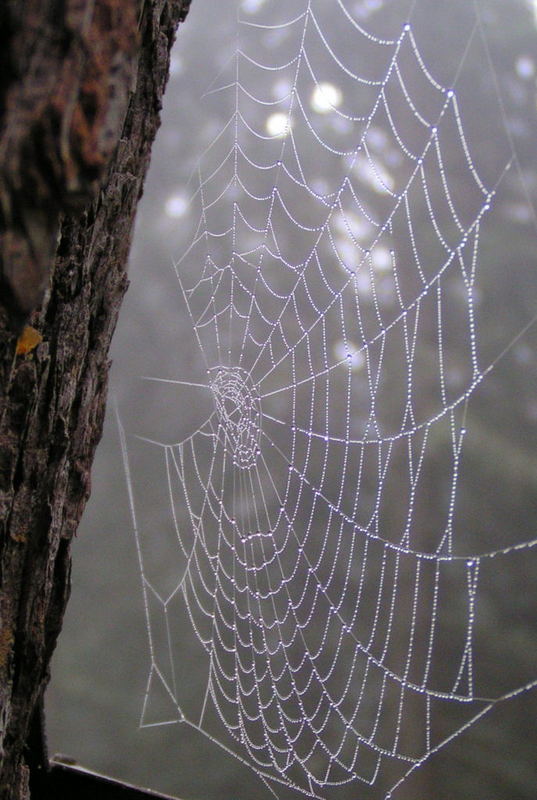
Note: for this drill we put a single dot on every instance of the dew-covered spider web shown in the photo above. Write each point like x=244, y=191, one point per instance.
x=308, y=528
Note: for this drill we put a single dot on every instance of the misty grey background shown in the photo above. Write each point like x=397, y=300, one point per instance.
x=100, y=667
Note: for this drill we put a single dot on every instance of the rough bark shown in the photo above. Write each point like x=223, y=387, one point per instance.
x=79, y=109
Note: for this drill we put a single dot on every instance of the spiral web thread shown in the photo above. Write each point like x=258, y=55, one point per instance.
x=316, y=587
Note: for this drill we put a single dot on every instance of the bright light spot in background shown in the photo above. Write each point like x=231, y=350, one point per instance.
x=325, y=97
x=365, y=8
x=176, y=65
x=350, y=353
x=362, y=282
x=282, y=89
x=377, y=138
x=278, y=124
x=523, y=354
x=251, y=6
x=525, y=67
x=375, y=175
x=320, y=187
x=519, y=212
x=176, y=206
x=381, y=258
x=358, y=227
x=340, y=125
x=349, y=255
x=353, y=260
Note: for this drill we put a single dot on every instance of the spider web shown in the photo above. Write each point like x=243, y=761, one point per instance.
x=331, y=287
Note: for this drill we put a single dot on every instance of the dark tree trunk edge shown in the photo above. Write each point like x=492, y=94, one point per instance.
x=52, y=399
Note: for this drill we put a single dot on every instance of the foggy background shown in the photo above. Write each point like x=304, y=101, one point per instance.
x=101, y=665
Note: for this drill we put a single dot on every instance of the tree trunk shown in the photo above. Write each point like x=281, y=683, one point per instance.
x=82, y=82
